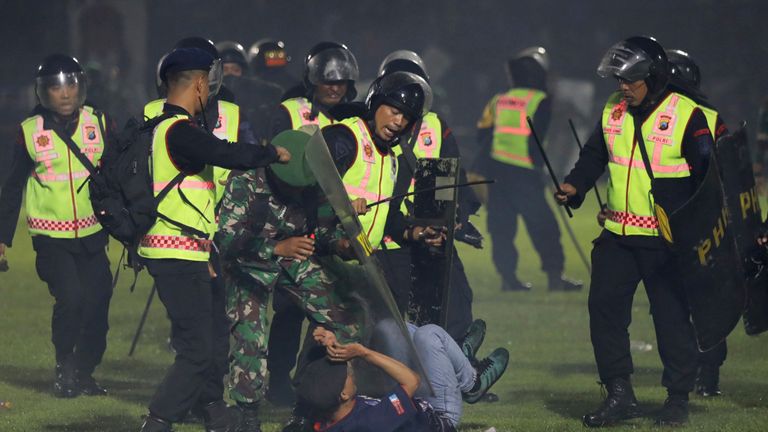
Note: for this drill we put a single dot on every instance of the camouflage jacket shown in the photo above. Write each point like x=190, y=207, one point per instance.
x=253, y=219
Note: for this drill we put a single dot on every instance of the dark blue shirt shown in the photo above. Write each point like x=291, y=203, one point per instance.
x=395, y=412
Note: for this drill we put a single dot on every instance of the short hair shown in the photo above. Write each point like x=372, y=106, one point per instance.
x=184, y=78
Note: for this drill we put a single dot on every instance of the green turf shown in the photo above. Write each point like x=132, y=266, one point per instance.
x=550, y=383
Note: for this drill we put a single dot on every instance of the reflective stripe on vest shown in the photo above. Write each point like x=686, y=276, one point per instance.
x=300, y=111
x=166, y=240
x=372, y=176
x=54, y=206
x=630, y=204
x=511, y=131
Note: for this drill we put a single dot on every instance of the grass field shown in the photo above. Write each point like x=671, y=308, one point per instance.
x=550, y=383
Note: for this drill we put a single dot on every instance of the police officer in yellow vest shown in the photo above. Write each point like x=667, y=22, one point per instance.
x=434, y=139
x=68, y=240
x=178, y=258
x=678, y=144
x=330, y=72
x=509, y=155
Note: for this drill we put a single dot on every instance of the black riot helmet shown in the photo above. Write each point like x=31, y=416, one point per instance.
x=405, y=91
x=267, y=54
x=404, y=61
x=637, y=58
x=232, y=52
x=61, y=71
x=682, y=68
x=216, y=74
x=529, y=68
x=328, y=62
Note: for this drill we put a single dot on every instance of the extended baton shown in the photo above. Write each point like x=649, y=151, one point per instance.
x=549, y=166
x=578, y=142
x=143, y=319
x=436, y=188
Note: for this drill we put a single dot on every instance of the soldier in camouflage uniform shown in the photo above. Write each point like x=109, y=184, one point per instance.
x=270, y=235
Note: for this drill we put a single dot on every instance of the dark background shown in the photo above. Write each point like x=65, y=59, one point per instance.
x=465, y=44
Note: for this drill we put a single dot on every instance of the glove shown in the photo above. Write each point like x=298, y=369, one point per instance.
x=469, y=235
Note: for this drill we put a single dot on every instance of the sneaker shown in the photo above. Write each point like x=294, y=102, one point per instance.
x=489, y=397
x=620, y=404
x=89, y=387
x=708, y=381
x=674, y=412
x=559, y=282
x=473, y=338
x=515, y=285
x=489, y=370
x=65, y=384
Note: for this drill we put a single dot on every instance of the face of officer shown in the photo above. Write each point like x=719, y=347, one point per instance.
x=633, y=92
x=331, y=93
x=389, y=121
x=63, y=98
x=232, y=69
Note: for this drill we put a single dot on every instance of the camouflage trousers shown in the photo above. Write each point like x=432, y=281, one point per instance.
x=248, y=291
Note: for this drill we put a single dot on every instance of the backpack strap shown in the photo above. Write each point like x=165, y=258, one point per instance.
x=164, y=192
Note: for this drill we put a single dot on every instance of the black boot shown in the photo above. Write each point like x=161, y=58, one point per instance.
x=515, y=285
x=280, y=392
x=708, y=381
x=154, y=424
x=89, y=387
x=674, y=412
x=620, y=404
x=250, y=413
x=65, y=385
x=221, y=418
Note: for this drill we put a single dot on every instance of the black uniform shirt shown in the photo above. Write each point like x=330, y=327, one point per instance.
x=191, y=148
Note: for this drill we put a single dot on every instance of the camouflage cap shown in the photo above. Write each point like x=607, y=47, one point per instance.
x=296, y=172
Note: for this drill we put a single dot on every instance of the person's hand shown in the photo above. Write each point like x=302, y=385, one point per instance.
x=298, y=248
x=602, y=216
x=762, y=240
x=431, y=236
x=338, y=352
x=359, y=205
x=211, y=271
x=567, y=191
x=323, y=336
x=283, y=155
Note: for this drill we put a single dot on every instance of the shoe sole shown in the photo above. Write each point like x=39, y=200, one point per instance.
x=632, y=414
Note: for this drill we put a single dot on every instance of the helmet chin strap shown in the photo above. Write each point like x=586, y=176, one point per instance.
x=202, y=113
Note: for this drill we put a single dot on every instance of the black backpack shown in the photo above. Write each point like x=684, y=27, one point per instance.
x=121, y=187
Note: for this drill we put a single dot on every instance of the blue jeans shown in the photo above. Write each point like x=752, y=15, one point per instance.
x=448, y=370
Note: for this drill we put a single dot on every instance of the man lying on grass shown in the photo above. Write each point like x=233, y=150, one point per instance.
x=327, y=385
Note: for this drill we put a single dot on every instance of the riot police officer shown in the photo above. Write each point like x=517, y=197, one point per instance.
x=629, y=249
x=68, y=240
x=508, y=155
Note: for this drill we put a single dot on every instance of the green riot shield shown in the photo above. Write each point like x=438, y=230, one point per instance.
x=710, y=268
x=385, y=331
x=735, y=165
x=432, y=266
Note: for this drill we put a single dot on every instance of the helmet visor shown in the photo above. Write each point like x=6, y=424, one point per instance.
x=62, y=93
x=626, y=62
x=215, y=78
x=334, y=64
x=398, y=89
